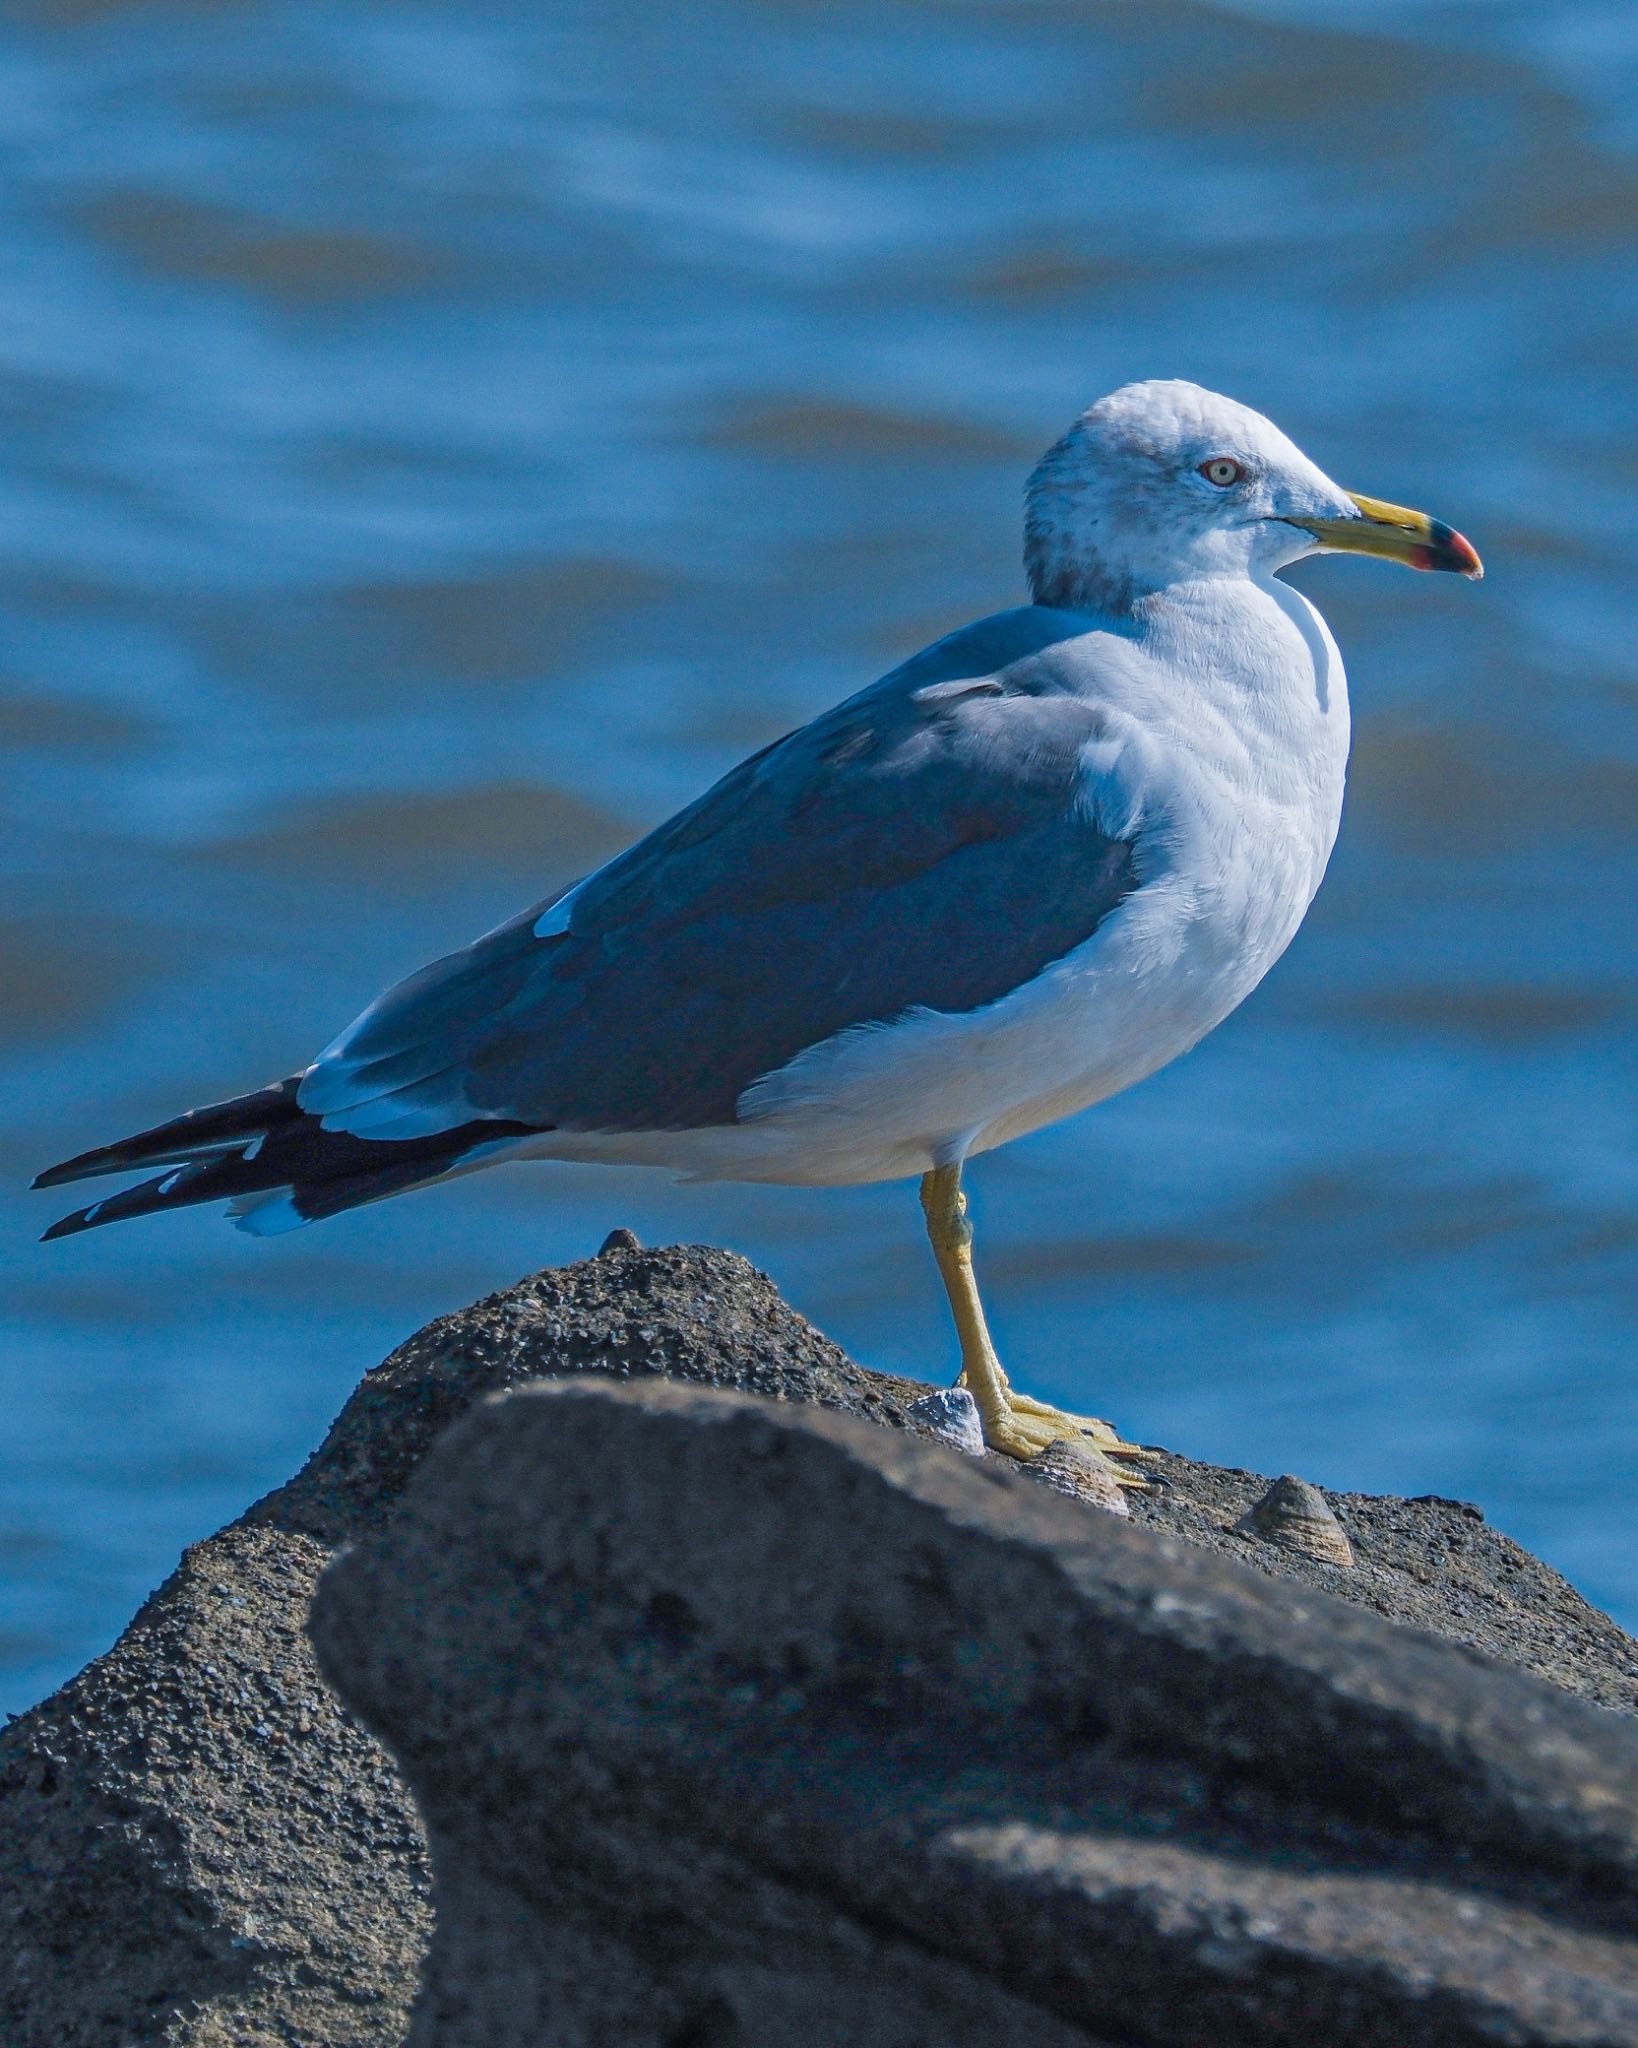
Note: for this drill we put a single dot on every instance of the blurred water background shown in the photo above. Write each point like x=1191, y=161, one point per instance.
x=438, y=439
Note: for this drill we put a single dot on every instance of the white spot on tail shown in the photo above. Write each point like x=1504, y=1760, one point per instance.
x=269, y=1215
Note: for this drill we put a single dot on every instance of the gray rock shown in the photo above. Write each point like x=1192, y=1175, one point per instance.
x=200, y=1845
x=951, y=1414
x=905, y=1749
x=197, y=1842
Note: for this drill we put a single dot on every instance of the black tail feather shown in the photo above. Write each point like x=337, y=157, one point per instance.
x=218, y=1127
x=258, y=1144
x=204, y=1180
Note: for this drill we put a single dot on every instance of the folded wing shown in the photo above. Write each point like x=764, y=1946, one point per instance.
x=930, y=844
x=923, y=846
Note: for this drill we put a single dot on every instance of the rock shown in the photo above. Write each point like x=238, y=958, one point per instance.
x=1427, y=1563
x=200, y=1845
x=951, y=1414
x=905, y=1749
x=1298, y=1517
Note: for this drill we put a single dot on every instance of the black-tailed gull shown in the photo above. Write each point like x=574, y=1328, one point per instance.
x=1036, y=862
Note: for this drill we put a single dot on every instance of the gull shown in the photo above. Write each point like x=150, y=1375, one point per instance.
x=1025, y=870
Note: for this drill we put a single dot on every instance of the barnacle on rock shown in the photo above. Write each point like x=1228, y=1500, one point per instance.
x=1297, y=1516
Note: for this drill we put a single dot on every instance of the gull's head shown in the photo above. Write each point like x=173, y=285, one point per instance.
x=1163, y=482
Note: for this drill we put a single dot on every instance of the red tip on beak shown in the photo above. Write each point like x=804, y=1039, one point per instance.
x=1445, y=548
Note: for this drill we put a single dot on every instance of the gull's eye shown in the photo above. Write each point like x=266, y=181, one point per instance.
x=1222, y=470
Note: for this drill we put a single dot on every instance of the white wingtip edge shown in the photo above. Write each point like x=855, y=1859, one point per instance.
x=269, y=1215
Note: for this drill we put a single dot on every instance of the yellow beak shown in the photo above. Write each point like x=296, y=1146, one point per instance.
x=1398, y=535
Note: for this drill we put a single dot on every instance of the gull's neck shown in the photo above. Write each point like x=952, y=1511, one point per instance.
x=1244, y=631
x=1066, y=583
x=1245, y=666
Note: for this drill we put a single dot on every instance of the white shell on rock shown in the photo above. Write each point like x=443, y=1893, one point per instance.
x=1298, y=1517
x=1081, y=1472
x=951, y=1414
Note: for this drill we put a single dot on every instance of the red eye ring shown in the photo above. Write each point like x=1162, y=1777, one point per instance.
x=1223, y=471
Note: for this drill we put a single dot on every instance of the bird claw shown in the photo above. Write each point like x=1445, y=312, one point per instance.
x=1028, y=1427
x=1104, y=1434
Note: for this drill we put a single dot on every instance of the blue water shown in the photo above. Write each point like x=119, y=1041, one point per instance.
x=438, y=439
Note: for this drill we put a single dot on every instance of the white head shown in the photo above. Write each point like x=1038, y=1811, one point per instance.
x=1162, y=482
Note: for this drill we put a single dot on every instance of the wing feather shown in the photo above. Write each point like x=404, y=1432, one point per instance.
x=923, y=845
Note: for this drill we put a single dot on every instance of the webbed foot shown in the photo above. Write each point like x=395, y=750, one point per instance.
x=1024, y=1427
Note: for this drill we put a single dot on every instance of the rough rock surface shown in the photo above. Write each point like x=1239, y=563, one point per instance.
x=199, y=1845
x=741, y=1725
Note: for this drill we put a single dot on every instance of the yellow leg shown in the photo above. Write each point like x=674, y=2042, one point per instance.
x=1012, y=1422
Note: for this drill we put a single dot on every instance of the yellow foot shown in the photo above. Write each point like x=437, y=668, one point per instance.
x=1104, y=1435
x=1027, y=1427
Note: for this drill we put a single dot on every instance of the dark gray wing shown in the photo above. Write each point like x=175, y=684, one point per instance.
x=919, y=845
